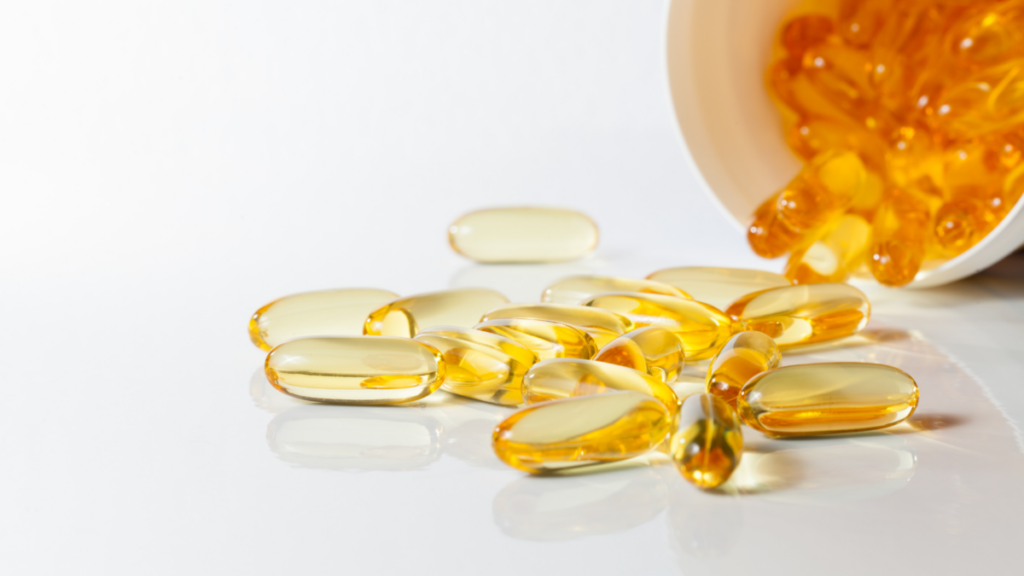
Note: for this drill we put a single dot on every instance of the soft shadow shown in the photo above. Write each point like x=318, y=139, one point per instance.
x=933, y=422
x=268, y=398
x=867, y=337
x=702, y=525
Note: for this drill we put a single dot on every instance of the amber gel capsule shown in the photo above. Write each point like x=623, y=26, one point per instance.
x=576, y=289
x=803, y=314
x=480, y=365
x=523, y=235
x=827, y=398
x=407, y=316
x=581, y=431
x=602, y=325
x=656, y=351
x=708, y=442
x=718, y=286
x=545, y=339
x=563, y=378
x=324, y=313
x=355, y=369
x=744, y=356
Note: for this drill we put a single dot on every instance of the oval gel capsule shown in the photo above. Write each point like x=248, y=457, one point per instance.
x=577, y=289
x=744, y=356
x=602, y=325
x=547, y=340
x=523, y=235
x=564, y=378
x=656, y=351
x=827, y=398
x=803, y=314
x=581, y=431
x=324, y=313
x=718, y=286
x=708, y=443
x=480, y=365
x=407, y=316
x=355, y=369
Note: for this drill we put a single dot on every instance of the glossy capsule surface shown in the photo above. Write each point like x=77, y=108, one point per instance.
x=523, y=235
x=582, y=431
x=803, y=314
x=480, y=365
x=577, y=289
x=702, y=328
x=718, y=286
x=323, y=313
x=744, y=356
x=827, y=398
x=545, y=339
x=651, y=349
x=833, y=256
x=564, y=378
x=708, y=443
x=602, y=325
x=407, y=316
x=355, y=369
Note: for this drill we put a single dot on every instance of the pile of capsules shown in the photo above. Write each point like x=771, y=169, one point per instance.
x=595, y=360
x=909, y=117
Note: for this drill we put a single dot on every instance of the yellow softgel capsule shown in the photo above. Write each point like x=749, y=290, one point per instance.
x=564, y=378
x=718, y=286
x=708, y=443
x=834, y=256
x=407, y=316
x=523, y=235
x=581, y=431
x=803, y=314
x=702, y=328
x=744, y=356
x=602, y=325
x=576, y=289
x=545, y=339
x=656, y=351
x=827, y=398
x=323, y=313
x=480, y=365
x=355, y=369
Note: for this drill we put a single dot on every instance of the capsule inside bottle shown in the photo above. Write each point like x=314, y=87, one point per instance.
x=523, y=235
x=564, y=378
x=656, y=351
x=803, y=314
x=323, y=313
x=744, y=356
x=547, y=340
x=577, y=289
x=602, y=325
x=708, y=443
x=407, y=316
x=480, y=365
x=718, y=287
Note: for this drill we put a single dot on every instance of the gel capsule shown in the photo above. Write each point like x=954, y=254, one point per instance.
x=656, y=351
x=407, y=316
x=803, y=314
x=324, y=313
x=355, y=369
x=581, y=431
x=602, y=325
x=702, y=328
x=718, y=286
x=523, y=235
x=708, y=443
x=576, y=289
x=744, y=356
x=545, y=339
x=832, y=257
x=564, y=378
x=828, y=398
x=480, y=365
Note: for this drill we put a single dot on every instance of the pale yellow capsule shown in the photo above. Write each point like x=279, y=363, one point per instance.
x=523, y=235
x=702, y=328
x=602, y=325
x=577, y=289
x=480, y=365
x=651, y=349
x=744, y=356
x=803, y=314
x=324, y=313
x=718, y=286
x=564, y=378
x=709, y=442
x=407, y=316
x=355, y=369
x=545, y=339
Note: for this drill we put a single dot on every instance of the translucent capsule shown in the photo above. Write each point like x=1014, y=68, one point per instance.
x=576, y=289
x=702, y=328
x=988, y=101
x=656, y=351
x=803, y=314
x=708, y=444
x=832, y=257
x=805, y=31
x=480, y=365
x=523, y=235
x=547, y=340
x=581, y=431
x=718, y=286
x=355, y=369
x=744, y=356
x=963, y=222
x=827, y=398
x=407, y=316
x=898, y=235
x=859, y=20
x=564, y=378
x=603, y=326
x=324, y=313
x=988, y=37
